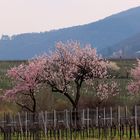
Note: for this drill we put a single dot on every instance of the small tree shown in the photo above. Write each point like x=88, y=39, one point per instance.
x=71, y=66
x=134, y=85
x=27, y=80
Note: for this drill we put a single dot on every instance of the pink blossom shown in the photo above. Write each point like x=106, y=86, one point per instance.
x=134, y=85
x=25, y=77
x=107, y=89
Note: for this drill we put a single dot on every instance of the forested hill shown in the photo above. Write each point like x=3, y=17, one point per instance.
x=101, y=34
x=128, y=48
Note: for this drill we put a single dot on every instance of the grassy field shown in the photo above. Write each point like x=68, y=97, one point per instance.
x=125, y=65
x=4, y=66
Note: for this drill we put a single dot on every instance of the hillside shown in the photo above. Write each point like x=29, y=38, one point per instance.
x=128, y=48
x=101, y=34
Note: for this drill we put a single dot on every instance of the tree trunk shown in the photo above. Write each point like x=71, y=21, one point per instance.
x=33, y=106
x=75, y=112
x=75, y=117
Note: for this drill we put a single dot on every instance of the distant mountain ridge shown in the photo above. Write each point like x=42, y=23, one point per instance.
x=128, y=48
x=102, y=34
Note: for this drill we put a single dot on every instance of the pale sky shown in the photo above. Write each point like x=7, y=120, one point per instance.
x=20, y=16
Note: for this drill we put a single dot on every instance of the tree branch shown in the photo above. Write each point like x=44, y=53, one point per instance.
x=34, y=101
x=24, y=106
x=70, y=99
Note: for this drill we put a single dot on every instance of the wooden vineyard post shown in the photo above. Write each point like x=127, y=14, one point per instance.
x=20, y=123
x=111, y=119
x=97, y=122
x=44, y=119
x=97, y=117
x=54, y=119
x=66, y=118
x=67, y=121
x=136, y=125
x=26, y=124
x=71, y=124
x=105, y=126
x=126, y=123
x=83, y=118
x=87, y=118
x=104, y=117
x=75, y=123
x=111, y=122
x=46, y=122
x=119, y=122
x=88, y=122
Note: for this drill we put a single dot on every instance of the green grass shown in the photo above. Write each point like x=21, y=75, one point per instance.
x=4, y=66
x=70, y=135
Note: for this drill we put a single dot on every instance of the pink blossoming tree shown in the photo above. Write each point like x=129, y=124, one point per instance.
x=26, y=79
x=71, y=66
x=134, y=85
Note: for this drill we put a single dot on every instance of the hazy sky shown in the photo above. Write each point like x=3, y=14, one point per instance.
x=19, y=16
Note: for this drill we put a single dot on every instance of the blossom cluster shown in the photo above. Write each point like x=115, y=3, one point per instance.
x=134, y=85
x=26, y=78
x=70, y=62
x=106, y=90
